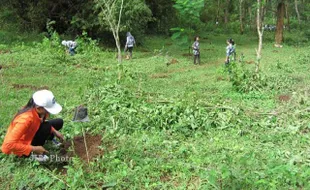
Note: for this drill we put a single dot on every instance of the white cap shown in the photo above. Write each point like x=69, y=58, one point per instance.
x=64, y=42
x=46, y=99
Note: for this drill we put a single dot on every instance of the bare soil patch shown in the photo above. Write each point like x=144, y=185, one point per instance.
x=172, y=61
x=160, y=75
x=32, y=87
x=249, y=62
x=165, y=178
x=5, y=51
x=220, y=79
x=79, y=147
x=186, y=54
x=9, y=66
x=284, y=97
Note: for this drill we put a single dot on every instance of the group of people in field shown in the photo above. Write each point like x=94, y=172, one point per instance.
x=31, y=127
x=230, y=51
x=130, y=42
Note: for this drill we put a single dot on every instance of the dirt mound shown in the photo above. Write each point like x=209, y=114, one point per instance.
x=160, y=75
x=186, y=54
x=22, y=86
x=172, y=61
x=220, y=79
x=5, y=51
x=284, y=98
x=249, y=62
x=9, y=66
x=79, y=147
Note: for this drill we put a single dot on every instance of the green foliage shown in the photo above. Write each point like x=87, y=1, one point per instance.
x=87, y=45
x=118, y=107
x=165, y=127
x=182, y=35
x=189, y=12
x=244, y=80
x=136, y=16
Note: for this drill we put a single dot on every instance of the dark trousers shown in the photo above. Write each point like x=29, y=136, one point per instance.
x=197, y=59
x=44, y=132
x=129, y=49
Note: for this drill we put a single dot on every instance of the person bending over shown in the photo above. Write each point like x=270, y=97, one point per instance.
x=71, y=45
x=30, y=128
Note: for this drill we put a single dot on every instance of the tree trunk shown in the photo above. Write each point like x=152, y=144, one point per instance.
x=250, y=14
x=114, y=23
x=260, y=31
x=287, y=15
x=241, y=16
x=118, y=45
x=226, y=13
x=280, y=23
x=225, y=17
x=218, y=12
x=297, y=11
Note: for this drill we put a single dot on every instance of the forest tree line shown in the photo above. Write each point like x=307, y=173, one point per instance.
x=167, y=17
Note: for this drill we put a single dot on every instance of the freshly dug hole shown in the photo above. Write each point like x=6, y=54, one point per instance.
x=92, y=141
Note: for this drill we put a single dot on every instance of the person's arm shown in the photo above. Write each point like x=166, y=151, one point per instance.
x=58, y=135
x=11, y=143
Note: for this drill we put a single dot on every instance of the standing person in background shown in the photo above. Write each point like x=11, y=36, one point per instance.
x=230, y=51
x=130, y=41
x=30, y=128
x=71, y=45
x=196, y=51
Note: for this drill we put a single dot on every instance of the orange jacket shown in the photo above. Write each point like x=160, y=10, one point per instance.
x=20, y=133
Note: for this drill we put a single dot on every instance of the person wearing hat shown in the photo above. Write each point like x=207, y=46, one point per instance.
x=71, y=45
x=30, y=128
x=130, y=42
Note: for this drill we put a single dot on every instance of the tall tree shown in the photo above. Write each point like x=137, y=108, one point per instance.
x=297, y=11
x=287, y=15
x=260, y=31
x=241, y=16
x=226, y=12
x=280, y=23
x=111, y=13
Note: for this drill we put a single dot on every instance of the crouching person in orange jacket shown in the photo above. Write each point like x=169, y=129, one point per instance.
x=29, y=129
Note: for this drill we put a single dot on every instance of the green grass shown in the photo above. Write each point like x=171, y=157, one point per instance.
x=180, y=126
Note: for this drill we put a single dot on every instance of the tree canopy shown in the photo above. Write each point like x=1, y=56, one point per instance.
x=157, y=16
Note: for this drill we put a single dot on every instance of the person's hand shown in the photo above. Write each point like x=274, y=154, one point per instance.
x=39, y=150
x=59, y=135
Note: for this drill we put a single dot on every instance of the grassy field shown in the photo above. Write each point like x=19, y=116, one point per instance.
x=166, y=123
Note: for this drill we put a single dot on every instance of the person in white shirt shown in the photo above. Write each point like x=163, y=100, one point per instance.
x=71, y=45
x=130, y=41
